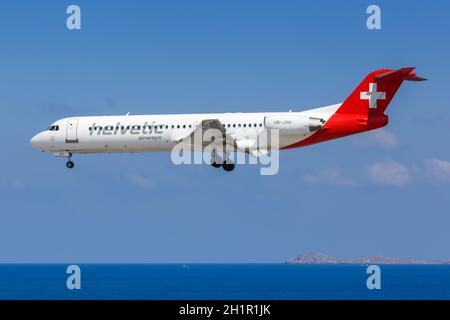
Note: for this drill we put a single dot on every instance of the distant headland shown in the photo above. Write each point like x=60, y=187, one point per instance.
x=321, y=258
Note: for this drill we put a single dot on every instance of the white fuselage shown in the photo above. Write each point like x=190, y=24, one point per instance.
x=145, y=133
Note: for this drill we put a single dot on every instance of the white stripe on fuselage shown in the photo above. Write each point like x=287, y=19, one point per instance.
x=132, y=138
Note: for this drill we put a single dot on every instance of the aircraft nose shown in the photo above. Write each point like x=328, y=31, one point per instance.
x=38, y=141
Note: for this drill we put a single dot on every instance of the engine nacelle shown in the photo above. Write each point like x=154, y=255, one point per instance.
x=293, y=124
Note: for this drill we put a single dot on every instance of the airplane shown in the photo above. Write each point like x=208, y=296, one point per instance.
x=362, y=111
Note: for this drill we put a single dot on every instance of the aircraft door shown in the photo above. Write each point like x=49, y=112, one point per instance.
x=72, y=127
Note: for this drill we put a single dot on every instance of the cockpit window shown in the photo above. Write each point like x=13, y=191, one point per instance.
x=53, y=128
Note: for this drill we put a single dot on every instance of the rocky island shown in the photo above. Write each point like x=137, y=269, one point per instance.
x=321, y=258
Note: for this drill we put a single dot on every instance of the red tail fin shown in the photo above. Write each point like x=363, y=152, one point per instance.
x=364, y=109
x=376, y=91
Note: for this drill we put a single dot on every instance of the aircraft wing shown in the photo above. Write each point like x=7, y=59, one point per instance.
x=222, y=139
x=199, y=138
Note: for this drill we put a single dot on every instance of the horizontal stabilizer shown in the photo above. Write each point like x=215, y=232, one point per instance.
x=400, y=74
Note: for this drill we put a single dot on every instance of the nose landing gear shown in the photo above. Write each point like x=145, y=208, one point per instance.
x=69, y=163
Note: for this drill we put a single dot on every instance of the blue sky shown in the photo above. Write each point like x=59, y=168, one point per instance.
x=382, y=193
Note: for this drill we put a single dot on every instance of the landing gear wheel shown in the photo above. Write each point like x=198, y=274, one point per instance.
x=70, y=164
x=228, y=166
x=216, y=162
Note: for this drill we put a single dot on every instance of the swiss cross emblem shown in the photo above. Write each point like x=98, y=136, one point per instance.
x=373, y=95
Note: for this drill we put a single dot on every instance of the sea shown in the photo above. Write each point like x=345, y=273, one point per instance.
x=221, y=282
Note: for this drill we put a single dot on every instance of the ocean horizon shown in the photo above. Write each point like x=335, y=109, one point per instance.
x=223, y=281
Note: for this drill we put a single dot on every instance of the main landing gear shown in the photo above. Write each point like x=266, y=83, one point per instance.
x=218, y=162
x=69, y=163
x=228, y=165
